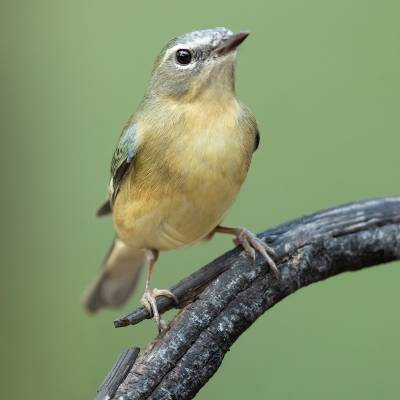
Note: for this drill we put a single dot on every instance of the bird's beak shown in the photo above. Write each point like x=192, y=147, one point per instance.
x=231, y=43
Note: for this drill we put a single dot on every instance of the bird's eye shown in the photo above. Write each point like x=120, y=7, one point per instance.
x=183, y=56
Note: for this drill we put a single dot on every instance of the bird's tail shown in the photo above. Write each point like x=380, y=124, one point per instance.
x=117, y=279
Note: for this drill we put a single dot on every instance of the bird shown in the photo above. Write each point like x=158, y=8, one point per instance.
x=178, y=166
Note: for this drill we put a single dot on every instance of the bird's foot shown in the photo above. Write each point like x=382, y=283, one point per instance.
x=149, y=302
x=252, y=244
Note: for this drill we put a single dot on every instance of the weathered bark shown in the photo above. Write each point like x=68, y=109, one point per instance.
x=225, y=297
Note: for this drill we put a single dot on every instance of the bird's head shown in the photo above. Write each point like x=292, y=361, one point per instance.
x=196, y=63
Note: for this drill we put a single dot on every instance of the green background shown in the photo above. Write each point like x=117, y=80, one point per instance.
x=323, y=79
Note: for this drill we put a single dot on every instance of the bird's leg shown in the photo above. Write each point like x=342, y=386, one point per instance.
x=251, y=243
x=150, y=295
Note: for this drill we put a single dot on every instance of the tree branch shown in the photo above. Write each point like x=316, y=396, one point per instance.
x=225, y=297
x=118, y=373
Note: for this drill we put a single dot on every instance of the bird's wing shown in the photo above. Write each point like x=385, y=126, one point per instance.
x=248, y=122
x=121, y=163
x=122, y=160
x=257, y=140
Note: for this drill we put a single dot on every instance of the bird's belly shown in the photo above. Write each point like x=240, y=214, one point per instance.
x=174, y=215
x=170, y=202
x=197, y=213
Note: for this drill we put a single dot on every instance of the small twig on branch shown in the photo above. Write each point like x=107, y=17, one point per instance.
x=225, y=297
x=118, y=373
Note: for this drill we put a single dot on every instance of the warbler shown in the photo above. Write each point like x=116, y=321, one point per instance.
x=178, y=166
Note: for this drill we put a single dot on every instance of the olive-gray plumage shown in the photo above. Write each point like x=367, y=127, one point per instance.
x=180, y=161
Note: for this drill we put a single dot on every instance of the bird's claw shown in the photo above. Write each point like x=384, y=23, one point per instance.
x=148, y=300
x=166, y=293
x=252, y=244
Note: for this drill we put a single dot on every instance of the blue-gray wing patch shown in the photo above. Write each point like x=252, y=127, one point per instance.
x=122, y=160
x=121, y=163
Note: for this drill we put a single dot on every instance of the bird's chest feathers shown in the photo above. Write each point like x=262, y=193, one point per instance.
x=200, y=150
x=211, y=146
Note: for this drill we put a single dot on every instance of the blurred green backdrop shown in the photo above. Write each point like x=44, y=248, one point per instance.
x=322, y=77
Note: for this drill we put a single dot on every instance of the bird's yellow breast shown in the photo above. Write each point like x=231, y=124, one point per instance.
x=186, y=175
